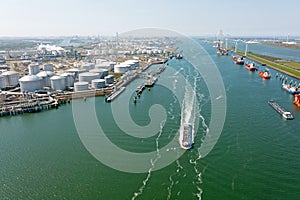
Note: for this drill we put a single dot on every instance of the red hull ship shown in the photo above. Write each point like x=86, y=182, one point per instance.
x=297, y=100
x=266, y=74
x=238, y=60
x=251, y=67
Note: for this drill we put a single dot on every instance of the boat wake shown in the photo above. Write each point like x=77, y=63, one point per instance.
x=153, y=162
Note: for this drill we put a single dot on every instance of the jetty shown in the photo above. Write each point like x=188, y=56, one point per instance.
x=114, y=94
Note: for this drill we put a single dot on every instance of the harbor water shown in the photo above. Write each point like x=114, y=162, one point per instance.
x=256, y=156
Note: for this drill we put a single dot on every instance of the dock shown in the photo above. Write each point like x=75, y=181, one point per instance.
x=114, y=94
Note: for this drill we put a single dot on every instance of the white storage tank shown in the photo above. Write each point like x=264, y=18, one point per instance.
x=81, y=86
x=11, y=78
x=100, y=60
x=45, y=76
x=122, y=68
x=48, y=67
x=58, y=83
x=2, y=82
x=34, y=69
x=70, y=79
x=30, y=83
x=98, y=83
x=88, y=66
x=109, y=79
x=76, y=71
x=88, y=77
x=133, y=63
x=102, y=72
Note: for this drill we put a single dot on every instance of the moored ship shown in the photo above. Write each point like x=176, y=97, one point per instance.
x=186, y=138
x=297, y=100
x=266, y=74
x=238, y=60
x=290, y=89
x=251, y=67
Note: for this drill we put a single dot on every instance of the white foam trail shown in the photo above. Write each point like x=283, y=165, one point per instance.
x=153, y=162
x=170, y=187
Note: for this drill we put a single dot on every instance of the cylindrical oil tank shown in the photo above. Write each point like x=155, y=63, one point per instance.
x=81, y=86
x=30, y=83
x=104, y=65
x=76, y=71
x=33, y=69
x=70, y=79
x=121, y=68
x=109, y=79
x=98, y=83
x=88, y=77
x=11, y=78
x=45, y=75
x=88, y=66
x=48, y=67
x=58, y=83
x=2, y=82
x=102, y=72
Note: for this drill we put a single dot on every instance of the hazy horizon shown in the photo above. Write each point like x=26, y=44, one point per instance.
x=105, y=18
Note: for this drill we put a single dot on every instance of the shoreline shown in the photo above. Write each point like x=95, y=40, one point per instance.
x=276, y=66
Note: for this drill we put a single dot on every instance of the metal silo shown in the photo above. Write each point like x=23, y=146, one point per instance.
x=109, y=79
x=98, y=83
x=88, y=76
x=88, y=66
x=11, y=78
x=58, y=83
x=33, y=69
x=2, y=82
x=45, y=75
x=30, y=83
x=70, y=79
x=102, y=72
x=48, y=67
x=81, y=86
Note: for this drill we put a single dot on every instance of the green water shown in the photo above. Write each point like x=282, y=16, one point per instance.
x=256, y=157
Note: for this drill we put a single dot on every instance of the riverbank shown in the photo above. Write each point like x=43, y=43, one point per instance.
x=290, y=68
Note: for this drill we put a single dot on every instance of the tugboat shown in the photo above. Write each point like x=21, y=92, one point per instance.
x=297, y=100
x=285, y=114
x=238, y=60
x=265, y=75
x=186, y=138
x=290, y=89
x=251, y=67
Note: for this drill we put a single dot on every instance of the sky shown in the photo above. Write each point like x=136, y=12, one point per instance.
x=189, y=17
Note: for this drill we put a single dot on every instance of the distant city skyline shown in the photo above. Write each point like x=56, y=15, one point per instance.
x=106, y=17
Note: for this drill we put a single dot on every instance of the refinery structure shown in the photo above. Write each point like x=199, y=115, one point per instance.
x=54, y=72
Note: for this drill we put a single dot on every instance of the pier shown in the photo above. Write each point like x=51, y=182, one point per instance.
x=114, y=94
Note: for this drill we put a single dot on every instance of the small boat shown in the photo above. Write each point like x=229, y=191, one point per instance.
x=285, y=114
x=251, y=67
x=297, y=100
x=290, y=89
x=187, y=137
x=238, y=60
x=265, y=75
